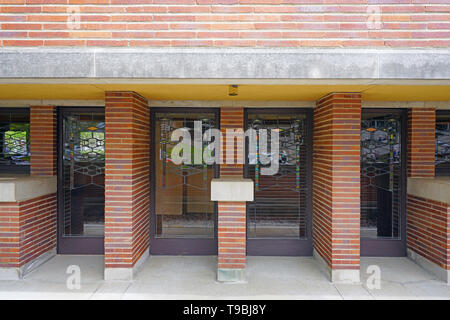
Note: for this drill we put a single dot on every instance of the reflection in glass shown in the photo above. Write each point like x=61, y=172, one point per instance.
x=442, y=143
x=84, y=174
x=279, y=206
x=15, y=138
x=183, y=206
x=380, y=175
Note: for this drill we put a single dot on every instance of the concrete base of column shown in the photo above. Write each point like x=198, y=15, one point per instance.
x=230, y=275
x=431, y=267
x=125, y=274
x=23, y=271
x=349, y=276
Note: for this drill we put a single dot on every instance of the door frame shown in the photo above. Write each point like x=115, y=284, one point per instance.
x=178, y=246
x=286, y=247
x=81, y=244
x=392, y=247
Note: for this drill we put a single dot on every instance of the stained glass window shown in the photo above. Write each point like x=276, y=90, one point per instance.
x=14, y=140
x=443, y=143
x=381, y=168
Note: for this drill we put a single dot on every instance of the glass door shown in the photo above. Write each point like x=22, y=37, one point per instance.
x=183, y=218
x=383, y=181
x=279, y=218
x=81, y=181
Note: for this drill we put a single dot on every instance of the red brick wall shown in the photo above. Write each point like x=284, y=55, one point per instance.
x=225, y=23
x=421, y=142
x=43, y=140
x=428, y=229
x=231, y=118
x=126, y=182
x=336, y=179
x=27, y=230
x=232, y=215
x=232, y=235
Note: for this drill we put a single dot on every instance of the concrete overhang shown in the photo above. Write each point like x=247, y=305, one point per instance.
x=232, y=63
x=200, y=74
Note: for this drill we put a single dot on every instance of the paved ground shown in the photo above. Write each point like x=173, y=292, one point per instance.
x=164, y=277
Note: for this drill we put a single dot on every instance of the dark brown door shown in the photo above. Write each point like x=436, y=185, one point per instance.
x=383, y=182
x=81, y=180
x=279, y=218
x=183, y=218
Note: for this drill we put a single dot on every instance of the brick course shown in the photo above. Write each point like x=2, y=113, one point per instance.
x=336, y=180
x=421, y=142
x=428, y=230
x=232, y=220
x=43, y=140
x=231, y=118
x=223, y=23
x=126, y=179
x=27, y=230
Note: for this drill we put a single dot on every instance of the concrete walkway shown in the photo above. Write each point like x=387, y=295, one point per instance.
x=183, y=277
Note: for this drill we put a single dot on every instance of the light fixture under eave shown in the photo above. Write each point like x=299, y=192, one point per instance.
x=233, y=90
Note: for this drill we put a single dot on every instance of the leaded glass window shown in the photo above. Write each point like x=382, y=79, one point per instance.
x=443, y=143
x=14, y=140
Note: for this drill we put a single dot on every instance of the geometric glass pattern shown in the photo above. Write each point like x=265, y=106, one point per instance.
x=380, y=175
x=84, y=147
x=14, y=138
x=183, y=206
x=442, y=159
x=84, y=173
x=279, y=206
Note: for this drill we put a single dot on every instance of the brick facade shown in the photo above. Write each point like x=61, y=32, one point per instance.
x=127, y=181
x=231, y=118
x=421, y=142
x=232, y=216
x=428, y=230
x=225, y=23
x=27, y=230
x=43, y=140
x=336, y=181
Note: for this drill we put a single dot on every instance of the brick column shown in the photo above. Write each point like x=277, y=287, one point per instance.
x=421, y=142
x=43, y=141
x=126, y=184
x=231, y=118
x=231, y=215
x=336, y=185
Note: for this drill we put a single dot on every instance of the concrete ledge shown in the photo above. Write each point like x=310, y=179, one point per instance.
x=126, y=274
x=10, y=274
x=15, y=188
x=437, y=189
x=348, y=276
x=230, y=275
x=431, y=267
x=232, y=189
x=225, y=63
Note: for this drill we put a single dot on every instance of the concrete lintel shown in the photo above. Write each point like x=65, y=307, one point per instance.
x=230, y=275
x=346, y=276
x=440, y=273
x=125, y=274
x=232, y=189
x=232, y=63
